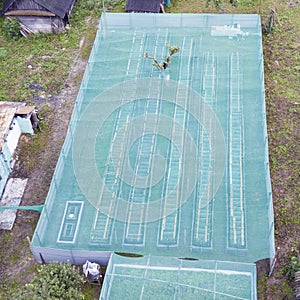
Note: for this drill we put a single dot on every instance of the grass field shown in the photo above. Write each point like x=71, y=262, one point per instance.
x=57, y=63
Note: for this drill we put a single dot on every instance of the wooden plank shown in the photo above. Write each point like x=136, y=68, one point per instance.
x=29, y=13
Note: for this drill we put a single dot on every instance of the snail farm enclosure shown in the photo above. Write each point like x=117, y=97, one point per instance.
x=167, y=162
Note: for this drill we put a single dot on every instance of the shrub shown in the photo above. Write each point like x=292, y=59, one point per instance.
x=56, y=281
x=11, y=29
x=292, y=267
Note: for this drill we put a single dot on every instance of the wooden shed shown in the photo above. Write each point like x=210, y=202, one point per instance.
x=147, y=6
x=39, y=15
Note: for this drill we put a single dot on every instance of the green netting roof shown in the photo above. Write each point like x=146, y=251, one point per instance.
x=173, y=279
x=171, y=162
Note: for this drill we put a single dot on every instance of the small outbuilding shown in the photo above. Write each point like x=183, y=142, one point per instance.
x=39, y=15
x=147, y=6
x=15, y=118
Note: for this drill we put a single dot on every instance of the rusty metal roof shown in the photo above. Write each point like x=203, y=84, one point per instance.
x=7, y=112
x=24, y=110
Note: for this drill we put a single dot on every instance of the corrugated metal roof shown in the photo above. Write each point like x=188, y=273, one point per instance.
x=23, y=5
x=57, y=7
x=7, y=5
x=152, y=6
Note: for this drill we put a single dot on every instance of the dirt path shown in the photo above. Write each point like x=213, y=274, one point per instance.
x=37, y=161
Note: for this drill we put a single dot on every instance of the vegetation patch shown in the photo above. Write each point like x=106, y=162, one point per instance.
x=282, y=62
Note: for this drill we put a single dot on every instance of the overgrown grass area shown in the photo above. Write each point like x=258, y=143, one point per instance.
x=35, y=70
x=282, y=69
x=43, y=60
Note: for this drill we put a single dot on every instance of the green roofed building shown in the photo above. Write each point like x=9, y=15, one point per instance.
x=167, y=162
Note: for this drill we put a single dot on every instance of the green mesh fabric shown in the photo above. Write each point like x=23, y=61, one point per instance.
x=167, y=162
x=162, y=278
